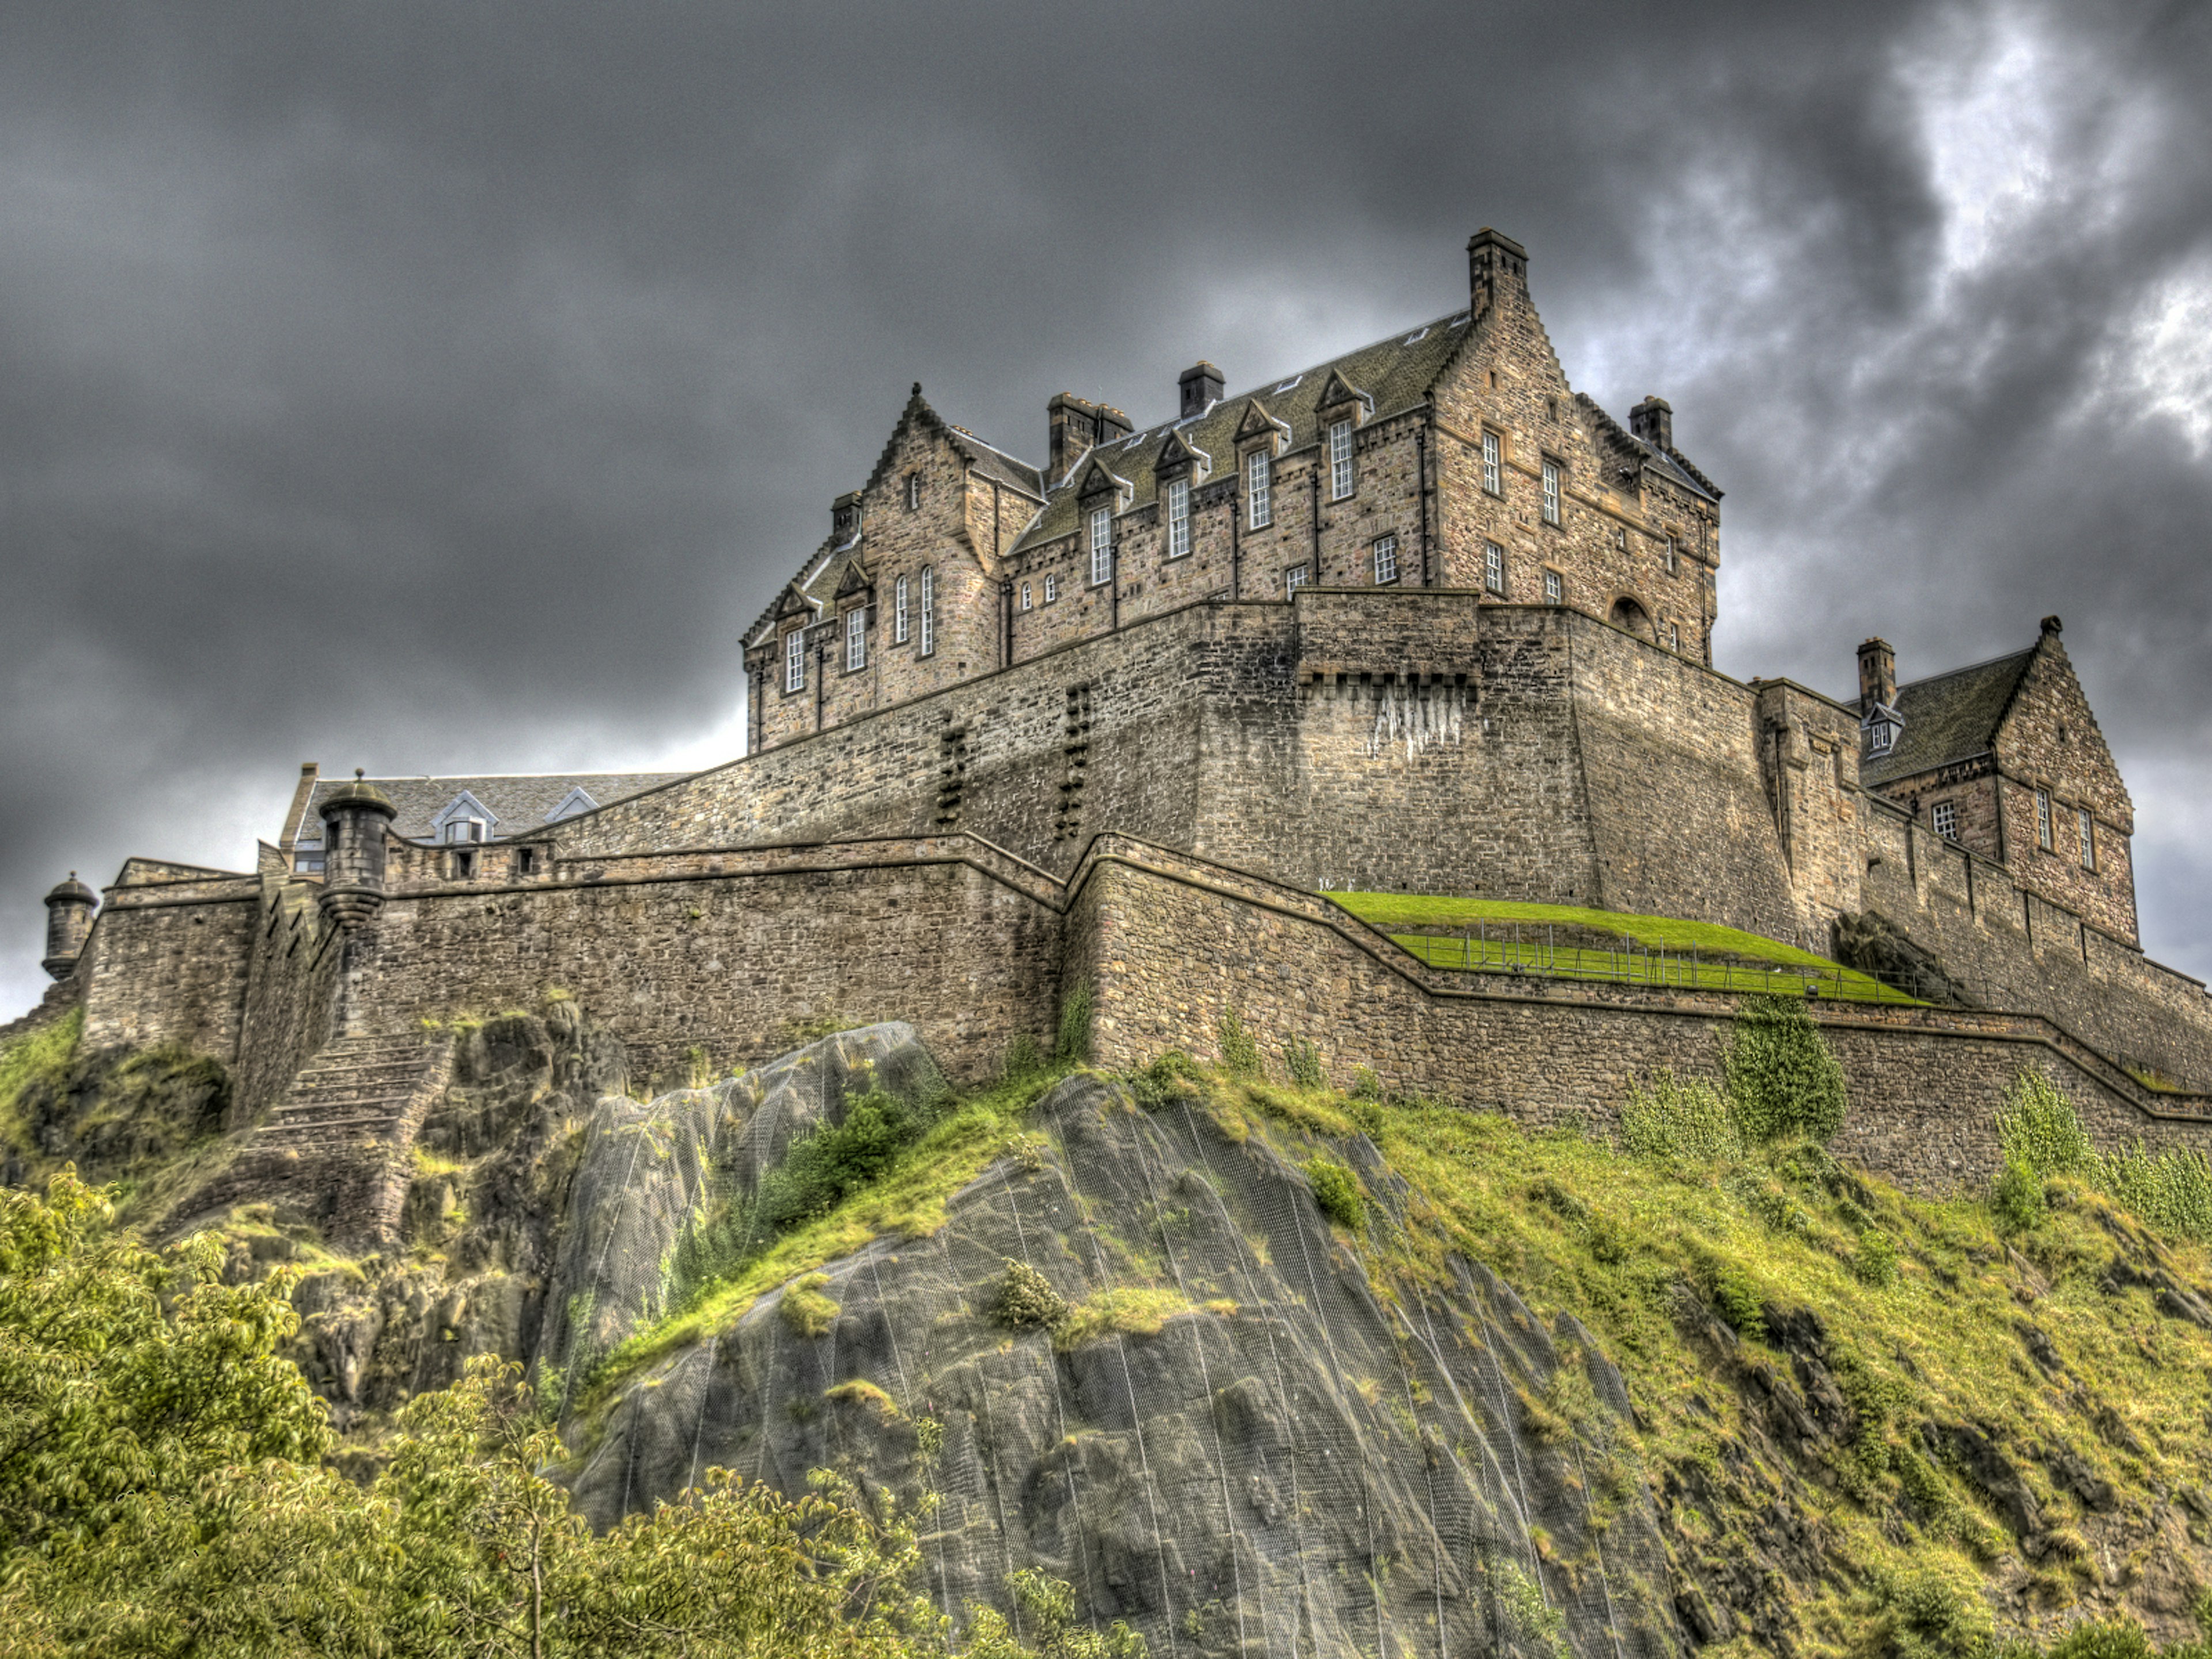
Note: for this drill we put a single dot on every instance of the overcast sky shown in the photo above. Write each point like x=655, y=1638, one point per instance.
x=442, y=388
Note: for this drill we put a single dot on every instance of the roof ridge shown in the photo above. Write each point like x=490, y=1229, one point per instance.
x=1395, y=335
x=1966, y=668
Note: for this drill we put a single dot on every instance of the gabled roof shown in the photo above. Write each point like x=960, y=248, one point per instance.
x=1948, y=717
x=1669, y=461
x=516, y=804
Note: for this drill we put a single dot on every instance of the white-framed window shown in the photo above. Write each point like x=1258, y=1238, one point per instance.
x=1258, y=499
x=1493, y=464
x=1944, y=816
x=1102, y=545
x=794, y=660
x=1551, y=492
x=1179, y=518
x=1554, y=589
x=913, y=491
x=856, y=638
x=1673, y=637
x=1027, y=603
x=928, y=608
x=898, y=613
x=1493, y=569
x=1339, y=460
x=1051, y=588
x=2043, y=819
x=461, y=832
x=1293, y=580
x=2086, y=827
x=1671, y=554
x=1385, y=559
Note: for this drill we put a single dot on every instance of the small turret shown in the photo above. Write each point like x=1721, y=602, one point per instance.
x=68, y=920
x=354, y=820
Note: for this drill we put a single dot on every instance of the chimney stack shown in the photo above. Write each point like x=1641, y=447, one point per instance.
x=1076, y=424
x=1653, y=421
x=1493, y=259
x=1877, y=675
x=1200, y=385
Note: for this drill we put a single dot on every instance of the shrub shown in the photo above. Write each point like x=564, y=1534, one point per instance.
x=1303, y=1060
x=1336, y=1189
x=1166, y=1080
x=1240, y=1055
x=1876, y=1260
x=2016, y=1200
x=2039, y=1127
x=2171, y=1191
x=1782, y=1080
x=820, y=1169
x=1023, y=1058
x=806, y=1308
x=1365, y=1086
x=1678, y=1120
x=1027, y=1298
x=1923, y=1613
x=1073, y=1046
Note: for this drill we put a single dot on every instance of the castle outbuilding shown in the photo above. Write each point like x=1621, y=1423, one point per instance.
x=1420, y=620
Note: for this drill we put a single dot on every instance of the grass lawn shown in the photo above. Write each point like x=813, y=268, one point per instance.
x=1673, y=951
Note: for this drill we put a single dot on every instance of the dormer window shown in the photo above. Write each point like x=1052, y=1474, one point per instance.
x=1102, y=545
x=466, y=822
x=1881, y=729
x=460, y=832
x=578, y=800
x=794, y=660
x=1340, y=473
x=1179, y=518
x=1258, y=499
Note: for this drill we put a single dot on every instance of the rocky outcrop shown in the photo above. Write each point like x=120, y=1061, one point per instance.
x=1233, y=1439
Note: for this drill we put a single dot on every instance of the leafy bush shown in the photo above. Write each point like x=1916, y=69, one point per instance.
x=820, y=1169
x=1240, y=1055
x=2038, y=1126
x=1073, y=1046
x=1027, y=1298
x=1365, y=1086
x=1303, y=1060
x=1166, y=1080
x=1782, y=1080
x=2016, y=1200
x=1923, y=1615
x=2170, y=1191
x=1679, y=1121
x=1876, y=1260
x=1336, y=1189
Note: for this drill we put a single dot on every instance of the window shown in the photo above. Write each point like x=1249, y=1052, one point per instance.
x=1551, y=492
x=1670, y=557
x=1554, y=589
x=1261, y=506
x=1551, y=409
x=1674, y=637
x=1385, y=560
x=1493, y=569
x=1293, y=580
x=465, y=866
x=1493, y=467
x=856, y=638
x=928, y=609
x=2087, y=827
x=1051, y=589
x=1102, y=544
x=526, y=861
x=1026, y=604
x=913, y=491
x=1339, y=460
x=1944, y=816
x=1179, y=518
x=461, y=831
x=794, y=660
x=898, y=613
x=2043, y=819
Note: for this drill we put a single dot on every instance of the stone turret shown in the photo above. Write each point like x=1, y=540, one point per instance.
x=354, y=821
x=69, y=920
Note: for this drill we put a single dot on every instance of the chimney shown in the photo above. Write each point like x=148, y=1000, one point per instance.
x=1200, y=385
x=845, y=518
x=1492, y=258
x=1653, y=421
x=1877, y=675
x=1076, y=424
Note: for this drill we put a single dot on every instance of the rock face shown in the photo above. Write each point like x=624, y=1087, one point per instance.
x=1231, y=1440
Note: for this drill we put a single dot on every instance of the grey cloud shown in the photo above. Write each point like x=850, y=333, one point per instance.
x=428, y=387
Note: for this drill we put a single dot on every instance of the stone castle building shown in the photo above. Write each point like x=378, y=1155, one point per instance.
x=1418, y=619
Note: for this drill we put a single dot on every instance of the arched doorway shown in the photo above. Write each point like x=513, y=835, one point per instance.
x=1629, y=614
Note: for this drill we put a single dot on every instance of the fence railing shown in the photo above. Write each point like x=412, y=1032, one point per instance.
x=1531, y=952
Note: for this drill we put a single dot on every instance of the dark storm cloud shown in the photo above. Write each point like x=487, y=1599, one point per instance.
x=444, y=387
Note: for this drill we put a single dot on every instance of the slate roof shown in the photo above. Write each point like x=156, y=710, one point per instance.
x=1670, y=460
x=517, y=802
x=1948, y=717
x=996, y=463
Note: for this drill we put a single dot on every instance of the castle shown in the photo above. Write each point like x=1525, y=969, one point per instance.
x=1421, y=619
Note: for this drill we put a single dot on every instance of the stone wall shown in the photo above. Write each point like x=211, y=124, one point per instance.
x=292, y=977
x=166, y=964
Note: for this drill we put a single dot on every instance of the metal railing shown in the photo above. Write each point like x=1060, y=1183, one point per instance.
x=1516, y=950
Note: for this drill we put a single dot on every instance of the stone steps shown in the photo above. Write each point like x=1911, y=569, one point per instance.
x=358, y=1088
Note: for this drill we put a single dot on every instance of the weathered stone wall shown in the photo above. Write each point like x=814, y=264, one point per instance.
x=1170, y=945
x=167, y=964
x=291, y=985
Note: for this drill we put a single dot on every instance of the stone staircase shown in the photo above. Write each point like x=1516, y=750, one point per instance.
x=357, y=1089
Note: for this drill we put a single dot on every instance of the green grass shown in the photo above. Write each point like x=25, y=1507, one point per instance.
x=1675, y=951
x=37, y=1058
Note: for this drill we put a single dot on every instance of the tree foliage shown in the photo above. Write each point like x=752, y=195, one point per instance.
x=163, y=1491
x=1782, y=1080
